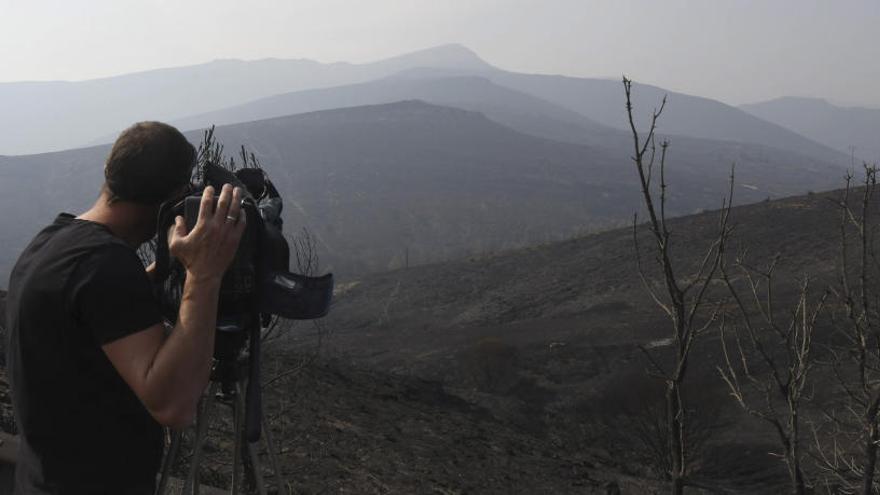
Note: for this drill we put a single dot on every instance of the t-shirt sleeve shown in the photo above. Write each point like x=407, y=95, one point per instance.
x=112, y=296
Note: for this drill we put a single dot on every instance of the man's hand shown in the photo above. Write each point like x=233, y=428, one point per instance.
x=208, y=249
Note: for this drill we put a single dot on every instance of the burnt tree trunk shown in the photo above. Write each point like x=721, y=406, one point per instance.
x=674, y=432
x=871, y=441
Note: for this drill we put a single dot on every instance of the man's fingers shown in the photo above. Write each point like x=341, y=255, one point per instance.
x=223, y=203
x=242, y=223
x=206, y=208
x=235, y=207
x=179, y=227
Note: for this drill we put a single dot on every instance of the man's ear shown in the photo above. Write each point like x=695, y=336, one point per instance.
x=107, y=195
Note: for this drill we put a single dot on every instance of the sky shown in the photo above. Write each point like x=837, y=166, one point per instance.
x=737, y=51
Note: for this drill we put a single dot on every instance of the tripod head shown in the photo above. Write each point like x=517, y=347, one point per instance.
x=237, y=355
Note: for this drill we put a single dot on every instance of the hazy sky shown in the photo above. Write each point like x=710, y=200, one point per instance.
x=738, y=51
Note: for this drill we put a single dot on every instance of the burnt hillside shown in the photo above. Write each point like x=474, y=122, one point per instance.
x=505, y=373
x=548, y=337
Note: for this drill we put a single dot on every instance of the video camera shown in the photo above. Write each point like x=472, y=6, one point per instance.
x=257, y=285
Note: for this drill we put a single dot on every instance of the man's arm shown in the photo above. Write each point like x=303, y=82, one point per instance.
x=169, y=374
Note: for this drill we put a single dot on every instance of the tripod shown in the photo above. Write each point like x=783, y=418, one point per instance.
x=226, y=388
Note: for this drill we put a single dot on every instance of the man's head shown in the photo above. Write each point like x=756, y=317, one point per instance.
x=149, y=163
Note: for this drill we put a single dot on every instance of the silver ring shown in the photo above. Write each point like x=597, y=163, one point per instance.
x=230, y=218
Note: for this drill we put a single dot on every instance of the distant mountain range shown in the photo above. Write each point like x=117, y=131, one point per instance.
x=37, y=117
x=382, y=184
x=600, y=99
x=537, y=116
x=557, y=107
x=834, y=126
x=41, y=117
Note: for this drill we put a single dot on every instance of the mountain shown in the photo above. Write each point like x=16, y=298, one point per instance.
x=514, y=109
x=47, y=116
x=602, y=101
x=451, y=57
x=831, y=125
x=538, y=117
x=571, y=109
x=377, y=182
x=384, y=185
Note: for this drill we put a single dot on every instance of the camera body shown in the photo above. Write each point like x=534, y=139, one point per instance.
x=258, y=282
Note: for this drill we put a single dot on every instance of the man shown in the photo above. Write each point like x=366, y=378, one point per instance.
x=93, y=372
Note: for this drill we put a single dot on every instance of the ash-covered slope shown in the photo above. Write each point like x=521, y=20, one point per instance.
x=567, y=283
x=548, y=337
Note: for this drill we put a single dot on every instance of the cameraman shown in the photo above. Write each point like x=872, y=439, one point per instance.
x=93, y=373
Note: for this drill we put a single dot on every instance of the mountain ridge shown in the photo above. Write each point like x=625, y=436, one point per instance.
x=71, y=114
x=840, y=127
x=68, y=114
x=688, y=115
x=377, y=182
x=472, y=92
x=591, y=98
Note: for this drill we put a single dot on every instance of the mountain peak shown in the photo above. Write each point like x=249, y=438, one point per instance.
x=791, y=100
x=449, y=56
x=810, y=99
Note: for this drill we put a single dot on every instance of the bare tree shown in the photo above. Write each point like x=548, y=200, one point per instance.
x=847, y=449
x=682, y=298
x=633, y=418
x=768, y=371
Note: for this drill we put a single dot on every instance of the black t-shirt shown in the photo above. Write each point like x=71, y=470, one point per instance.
x=83, y=430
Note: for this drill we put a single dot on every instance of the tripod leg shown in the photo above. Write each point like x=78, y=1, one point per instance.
x=238, y=429
x=255, y=465
x=191, y=485
x=253, y=457
x=168, y=462
x=273, y=456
